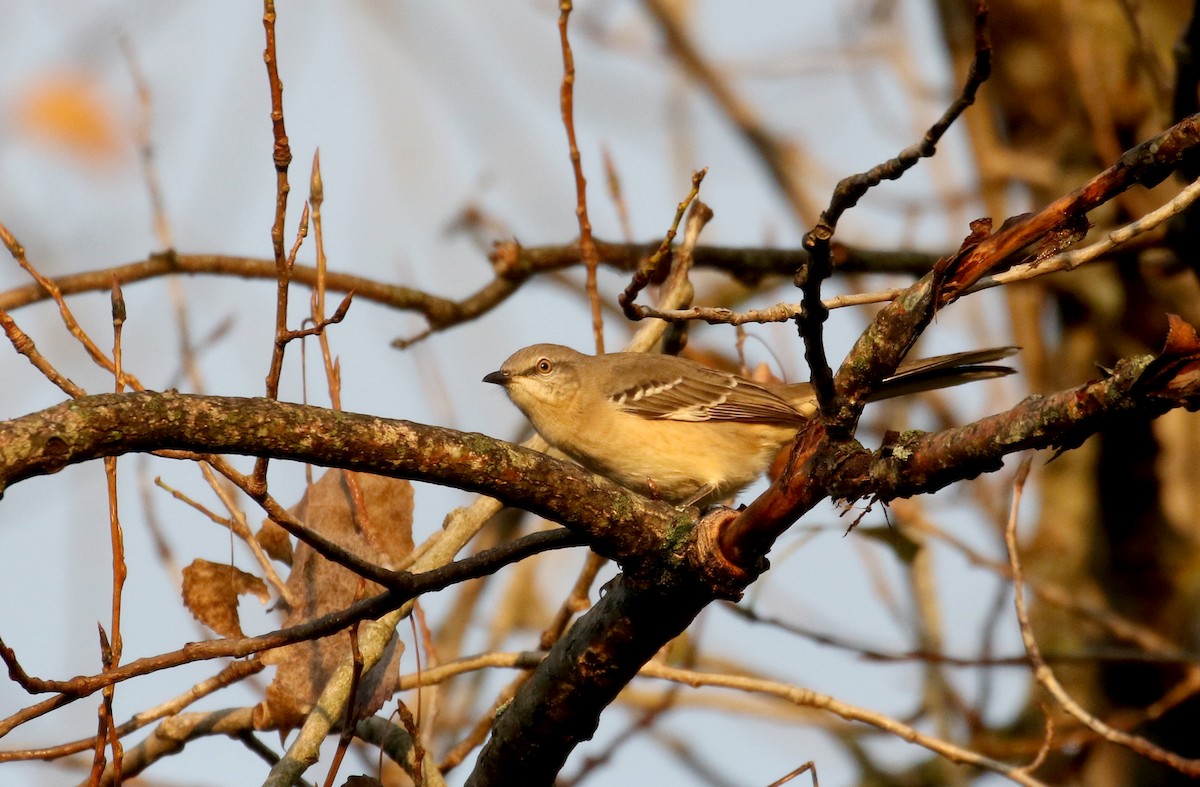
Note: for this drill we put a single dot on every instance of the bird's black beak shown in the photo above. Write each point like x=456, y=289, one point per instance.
x=499, y=378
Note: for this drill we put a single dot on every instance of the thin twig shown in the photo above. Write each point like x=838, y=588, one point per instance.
x=347, y=732
x=24, y=345
x=1062, y=261
x=849, y=191
x=162, y=224
x=587, y=247
x=1045, y=676
x=112, y=653
x=1116, y=625
x=429, y=580
x=813, y=699
x=647, y=272
x=235, y=672
x=333, y=378
x=103, y=716
x=174, y=733
x=781, y=157
x=93, y=350
x=282, y=157
x=613, y=179
x=236, y=521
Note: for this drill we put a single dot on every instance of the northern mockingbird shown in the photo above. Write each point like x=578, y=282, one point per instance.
x=671, y=428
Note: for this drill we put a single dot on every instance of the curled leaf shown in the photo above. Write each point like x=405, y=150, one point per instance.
x=211, y=590
x=1176, y=370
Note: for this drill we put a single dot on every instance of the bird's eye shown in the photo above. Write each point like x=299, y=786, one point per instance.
x=544, y=366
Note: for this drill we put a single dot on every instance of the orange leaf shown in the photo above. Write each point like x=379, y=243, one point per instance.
x=70, y=111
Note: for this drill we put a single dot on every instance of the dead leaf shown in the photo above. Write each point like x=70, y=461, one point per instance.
x=380, y=531
x=211, y=590
x=275, y=541
x=1181, y=337
x=1176, y=370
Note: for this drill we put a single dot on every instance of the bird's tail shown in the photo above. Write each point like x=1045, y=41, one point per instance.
x=943, y=371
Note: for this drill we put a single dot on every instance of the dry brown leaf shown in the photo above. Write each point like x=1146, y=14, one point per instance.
x=275, y=541
x=211, y=592
x=380, y=532
x=1176, y=370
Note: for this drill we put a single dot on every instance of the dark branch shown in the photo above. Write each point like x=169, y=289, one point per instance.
x=883, y=345
x=845, y=196
x=1139, y=387
x=559, y=707
x=405, y=587
x=1185, y=100
x=513, y=264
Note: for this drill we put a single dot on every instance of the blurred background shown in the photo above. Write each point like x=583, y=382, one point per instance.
x=440, y=133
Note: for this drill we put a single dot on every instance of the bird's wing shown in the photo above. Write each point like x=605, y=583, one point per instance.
x=702, y=394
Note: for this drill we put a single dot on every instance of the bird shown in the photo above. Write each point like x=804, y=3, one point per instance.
x=674, y=429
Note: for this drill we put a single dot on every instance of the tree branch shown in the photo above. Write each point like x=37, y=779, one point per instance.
x=673, y=567
x=513, y=265
x=405, y=587
x=615, y=520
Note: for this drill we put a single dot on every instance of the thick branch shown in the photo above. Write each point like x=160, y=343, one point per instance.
x=919, y=463
x=897, y=326
x=559, y=707
x=1139, y=387
x=615, y=520
x=821, y=467
x=676, y=570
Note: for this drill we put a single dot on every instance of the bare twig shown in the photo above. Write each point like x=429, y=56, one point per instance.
x=613, y=179
x=236, y=522
x=103, y=716
x=176, y=732
x=1147, y=57
x=162, y=224
x=514, y=264
x=1056, y=263
x=24, y=345
x=333, y=377
x=808, y=767
x=427, y=581
x=1045, y=675
x=347, y=733
x=235, y=672
x=112, y=650
x=18, y=253
x=813, y=699
x=587, y=246
x=282, y=156
x=811, y=319
x=646, y=273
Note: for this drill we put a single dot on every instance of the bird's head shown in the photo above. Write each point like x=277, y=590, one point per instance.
x=542, y=375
